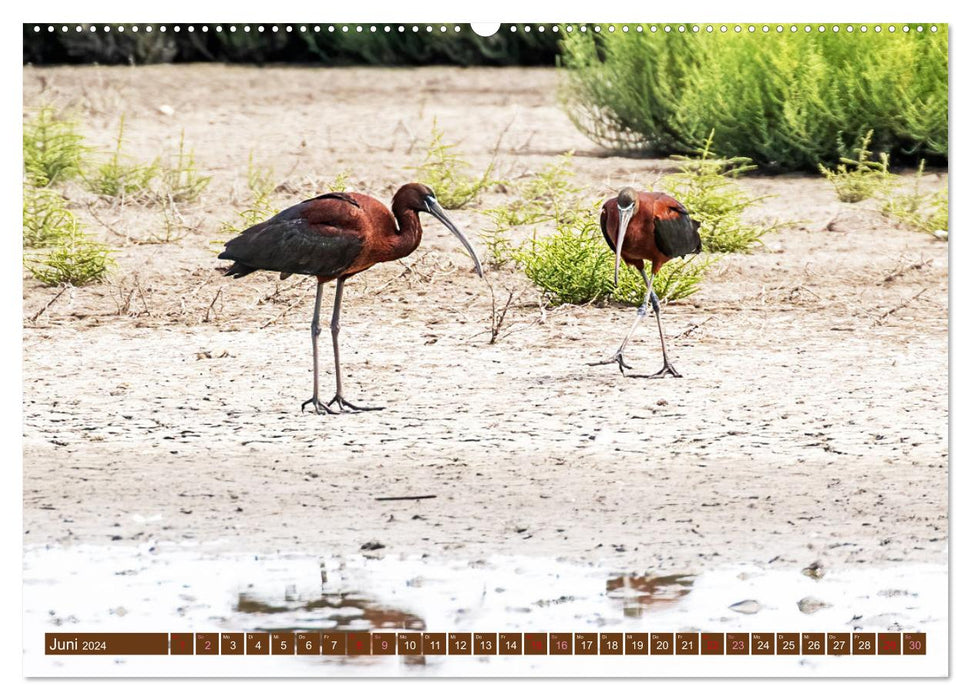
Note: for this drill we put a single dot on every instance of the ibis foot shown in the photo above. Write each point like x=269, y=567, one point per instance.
x=617, y=357
x=319, y=406
x=663, y=372
x=346, y=406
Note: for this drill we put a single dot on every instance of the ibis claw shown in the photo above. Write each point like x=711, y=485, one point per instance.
x=346, y=406
x=661, y=373
x=617, y=357
x=319, y=406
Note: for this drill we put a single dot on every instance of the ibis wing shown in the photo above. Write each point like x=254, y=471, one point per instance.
x=317, y=237
x=675, y=233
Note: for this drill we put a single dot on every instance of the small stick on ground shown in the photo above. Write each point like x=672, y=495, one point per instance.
x=497, y=318
x=403, y=498
x=45, y=307
x=898, y=307
x=212, y=305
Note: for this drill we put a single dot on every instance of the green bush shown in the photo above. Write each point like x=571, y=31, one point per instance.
x=46, y=217
x=261, y=185
x=775, y=97
x=707, y=186
x=444, y=170
x=117, y=176
x=53, y=148
x=920, y=211
x=73, y=259
x=549, y=195
x=866, y=179
x=179, y=177
x=574, y=265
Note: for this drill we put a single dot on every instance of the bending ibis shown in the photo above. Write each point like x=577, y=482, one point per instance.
x=333, y=237
x=652, y=227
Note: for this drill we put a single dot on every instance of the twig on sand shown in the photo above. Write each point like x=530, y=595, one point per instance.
x=283, y=313
x=498, y=317
x=692, y=328
x=212, y=305
x=45, y=307
x=898, y=307
x=403, y=498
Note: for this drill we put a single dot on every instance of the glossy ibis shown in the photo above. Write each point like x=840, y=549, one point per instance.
x=333, y=237
x=647, y=226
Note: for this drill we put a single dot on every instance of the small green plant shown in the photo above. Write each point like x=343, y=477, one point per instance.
x=117, y=177
x=46, y=217
x=340, y=182
x=260, y=182
x=180, y=179
x=549, y=195
x=920, y=211
x=53, y=148
x=447, y=173
x=861, y=178
x=74, y=259
x=575, y=266
x=707, y=186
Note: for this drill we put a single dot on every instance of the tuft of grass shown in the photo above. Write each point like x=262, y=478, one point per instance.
x=707, y=185
x=260, y=183
x=920, y=211
x=861, y=178
x=340, y=182
x=46, y=217
x=74, y=259
x=444, y=170
x=117, y=177
x=180, y=178
x=549, y=195
x=575, y=266
x=53, y=148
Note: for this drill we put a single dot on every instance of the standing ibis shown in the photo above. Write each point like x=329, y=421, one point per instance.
x=333, y=237
x=647, y=226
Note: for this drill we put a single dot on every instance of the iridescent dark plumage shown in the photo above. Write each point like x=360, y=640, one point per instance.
x=333, y=237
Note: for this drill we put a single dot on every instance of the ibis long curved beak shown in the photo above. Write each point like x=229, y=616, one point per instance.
x=625, y=216
x=435, y=209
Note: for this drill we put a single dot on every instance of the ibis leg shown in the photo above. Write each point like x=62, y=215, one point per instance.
x=668, y=368
x=319, y=407
x=618, y=356
x=335, y=328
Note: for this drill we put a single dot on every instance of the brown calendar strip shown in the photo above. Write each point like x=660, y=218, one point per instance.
x=392, y=643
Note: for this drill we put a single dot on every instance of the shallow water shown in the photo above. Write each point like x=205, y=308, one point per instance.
x=167, y=587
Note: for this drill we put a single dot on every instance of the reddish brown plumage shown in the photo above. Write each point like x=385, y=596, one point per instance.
x=333, y=237
x=641, y=240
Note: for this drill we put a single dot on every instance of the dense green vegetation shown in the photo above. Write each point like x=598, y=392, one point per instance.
x=787, y=100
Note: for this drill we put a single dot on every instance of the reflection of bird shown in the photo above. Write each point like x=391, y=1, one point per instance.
x=333, y=237
x=650, y=226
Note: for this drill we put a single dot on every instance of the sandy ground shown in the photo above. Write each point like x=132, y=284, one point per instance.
x=811, y=422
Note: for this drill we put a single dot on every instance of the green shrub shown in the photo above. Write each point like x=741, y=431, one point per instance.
x=867, y=178
x=73, y=259
x=46, y=217
x=261, y=186
x=920, y=211
x=117, y=177
x=775, y=97
x=179, y=177
x=549, y=195
x=53, y=148
x=707, y=186
x=447, y=174
x=574, y=265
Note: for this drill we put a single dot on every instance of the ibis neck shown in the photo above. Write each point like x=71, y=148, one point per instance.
x=409, y=232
